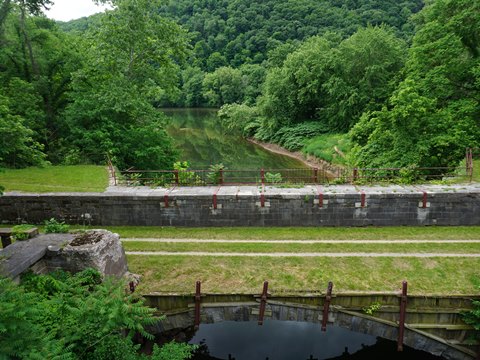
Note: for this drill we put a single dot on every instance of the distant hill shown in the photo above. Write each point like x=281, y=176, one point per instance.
x=243, y=31
x=79, y=25
x=234, y=32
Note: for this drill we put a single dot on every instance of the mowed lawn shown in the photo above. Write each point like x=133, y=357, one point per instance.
x=75, y=178
x=177, y=273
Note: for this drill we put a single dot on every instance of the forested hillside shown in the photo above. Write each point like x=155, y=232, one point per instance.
x=389, y=83
x=236, y=32
x=391, y=103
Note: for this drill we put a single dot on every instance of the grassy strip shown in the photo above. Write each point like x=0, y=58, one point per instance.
x=476, y=171
x=296, y=248
x=301, y=233
x=246, y=275
x=78, y=178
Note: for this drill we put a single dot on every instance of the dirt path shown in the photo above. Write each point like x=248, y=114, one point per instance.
x=212, y=241
x=324, y=255
x=308, y=160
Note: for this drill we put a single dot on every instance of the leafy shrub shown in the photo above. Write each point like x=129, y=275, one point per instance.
x=329, y=147
x=273, y=178
x=372, y=309
x=293, y=137
x=214, y=176
x=75, y=317
x=186, y=177
x=18, y=231
x=53, y=226
x=239, y=118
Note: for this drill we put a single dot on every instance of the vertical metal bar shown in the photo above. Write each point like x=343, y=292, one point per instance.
x=320, y=197
x=467, y=161
x=315, y=175
x=355, y=174
x=165, y=199
x=363, y=199
x=401, y=321
x=263, y=303
x=326, y=305
x=177, y=179
x=220, y=180
x=424, y=200
x=262, y=175
x=262, y=197
x=198, y=299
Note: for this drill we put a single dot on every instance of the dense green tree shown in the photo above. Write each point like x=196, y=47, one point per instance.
x=364, y=72
x=18, y=148
x=192, y=87
x=433, y=114
x=130, y=62
x=223, y=86
x=35, y=75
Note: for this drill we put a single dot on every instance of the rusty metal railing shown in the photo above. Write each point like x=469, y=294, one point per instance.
x=194, y=177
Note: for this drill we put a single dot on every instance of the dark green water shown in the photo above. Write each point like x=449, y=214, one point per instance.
x=288, y=340
x=199, y=136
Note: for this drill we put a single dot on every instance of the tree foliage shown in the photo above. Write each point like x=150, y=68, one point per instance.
x=130, y=62
x=59, y=316
x=236, y=32
x=433, y=114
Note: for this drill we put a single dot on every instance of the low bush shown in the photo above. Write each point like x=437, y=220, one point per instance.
x=53, y=226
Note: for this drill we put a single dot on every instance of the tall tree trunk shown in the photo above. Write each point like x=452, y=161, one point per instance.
x=28, y=44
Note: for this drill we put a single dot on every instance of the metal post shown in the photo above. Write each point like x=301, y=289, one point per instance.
x=363, y=199
x=198, y=299
x=220, y=180
x=424, y=200
x=326, y=306
x=262, y=197
x=401, y=322
x=177, y=179
x=165, y=199
x=355, y=174
x=262, y=175
x=315, y=175
x=263, y=303
x=467, y=161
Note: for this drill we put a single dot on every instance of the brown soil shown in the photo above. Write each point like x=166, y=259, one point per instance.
x=88, y=238
x=308, y=160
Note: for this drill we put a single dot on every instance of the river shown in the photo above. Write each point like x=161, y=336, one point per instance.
x=201, y=140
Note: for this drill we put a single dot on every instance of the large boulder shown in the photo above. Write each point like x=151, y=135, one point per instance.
x=98, y=249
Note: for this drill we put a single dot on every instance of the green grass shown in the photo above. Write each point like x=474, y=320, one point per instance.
x=79, y=178
x=476, y=171
x=246, y=275
x=303, y=248
x=323, y=147
x=301, y=233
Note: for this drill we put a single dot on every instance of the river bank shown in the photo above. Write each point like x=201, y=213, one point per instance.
x=309, y=160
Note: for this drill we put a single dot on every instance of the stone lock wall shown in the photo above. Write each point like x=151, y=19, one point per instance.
x=251, y=206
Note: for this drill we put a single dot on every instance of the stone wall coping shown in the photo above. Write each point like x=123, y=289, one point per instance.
x=249, y=191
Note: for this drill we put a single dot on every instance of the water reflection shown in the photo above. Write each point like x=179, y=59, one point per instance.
x=202, y=142
x=284, y=340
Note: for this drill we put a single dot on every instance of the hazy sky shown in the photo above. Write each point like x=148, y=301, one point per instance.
x=66, y=10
